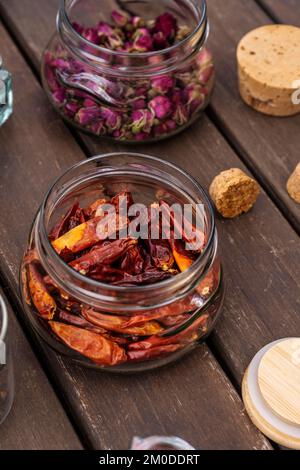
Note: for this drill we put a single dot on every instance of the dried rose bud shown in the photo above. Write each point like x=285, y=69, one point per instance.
x=171, y=125
x=142, y=40
x=114, y=42
x=206, y=74
x=138, y=22
x=177, y=97
x=162, y=84
x=88, y=103
x=61, y=64
x=97, y=127
x=161, y=106
x=87, y=115
x=59, y=96
x=138, y=103
x=204, y=58
x=78, y=28
x=182, y=33
x=91, y=35
x=120, y=18
x=112, y=119
x=160, y=41
x=181, y=115
x=71, y=108
x=51, y=79
x=143, y=120
x=195, y=96
x=167, y=24
x=141, y=136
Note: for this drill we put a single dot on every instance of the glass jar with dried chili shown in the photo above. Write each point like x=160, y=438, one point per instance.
x=130, y=70
x=121, y=270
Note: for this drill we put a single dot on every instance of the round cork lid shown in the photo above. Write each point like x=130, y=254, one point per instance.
x=271, y=55
x=271, y=392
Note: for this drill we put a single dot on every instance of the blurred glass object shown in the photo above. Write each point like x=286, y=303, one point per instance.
x=6, y=366
x=6, y=94
x=160, y=443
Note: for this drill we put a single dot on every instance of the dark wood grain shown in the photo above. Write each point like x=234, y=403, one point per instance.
x=283, y=11
x=193, y=398
x=37, y=420
x=270, y=146
x=261, y=252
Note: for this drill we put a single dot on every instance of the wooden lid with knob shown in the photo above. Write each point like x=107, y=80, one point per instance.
x=271, y=392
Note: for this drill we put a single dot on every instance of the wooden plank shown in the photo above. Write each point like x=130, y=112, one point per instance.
x=37, y=420
x=270, y=248
x=194, y=397
x=265, y=263
x=283, y=11
x=270, y=146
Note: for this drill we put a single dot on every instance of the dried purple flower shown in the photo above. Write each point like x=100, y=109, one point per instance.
x=141, y=136
x=204, y=57
x=161, y=106
x=138, y=103
x=112, y=119
x=181, y=115
x=97, y=127
x=160, y=41
x=162, y=84
x=206, y=74
x=91, y=35
x=137, y=22
x=143, y=120
x=167, y=24
x=51, y=79
x=59, y=96
x=78, y=28
x=195, y=96
x=142, y=40
x=86, y=115
x=71, y=108
x=120, y=18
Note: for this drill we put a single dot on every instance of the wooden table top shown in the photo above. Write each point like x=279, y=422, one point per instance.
x=61, y=406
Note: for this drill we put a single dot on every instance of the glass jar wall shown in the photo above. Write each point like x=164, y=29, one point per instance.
x=118, y=326
x=141, y=76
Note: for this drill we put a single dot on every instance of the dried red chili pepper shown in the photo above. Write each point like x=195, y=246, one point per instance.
x=133, y=261
x=119, y=324
x=123, y=196
x=41, y=298
x=79, y=321
x=79, y=238
x=185, y=230
x=89, y=234
x=91, y=345
x=106, y=274
x=104, y=254
x=92, y=209
x=153, y=353
x=184, y=337
x=71, y=219
x=183, y=259
x=161, y=254
x=149, y=277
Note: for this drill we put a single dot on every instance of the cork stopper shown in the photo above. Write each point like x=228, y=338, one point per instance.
x=271, y=392
x=269, y=69
x=293, y=185
x=234, y=192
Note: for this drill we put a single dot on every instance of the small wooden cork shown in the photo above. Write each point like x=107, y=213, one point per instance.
x=234, y=193
x=269, y=69
x=293, y=185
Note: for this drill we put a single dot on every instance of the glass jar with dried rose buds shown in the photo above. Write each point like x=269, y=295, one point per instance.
x=121, y=271
x=130, y=70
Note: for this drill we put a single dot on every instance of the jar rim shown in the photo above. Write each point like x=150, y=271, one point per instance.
x=4, y=315
x=168, y=283
x=137, y=55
